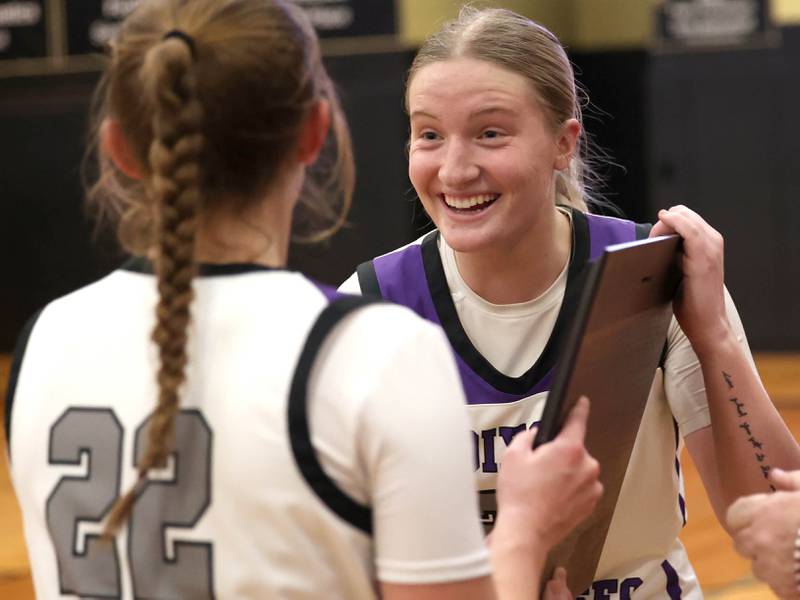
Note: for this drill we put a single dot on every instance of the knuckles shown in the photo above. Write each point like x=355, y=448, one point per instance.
x=572, y=452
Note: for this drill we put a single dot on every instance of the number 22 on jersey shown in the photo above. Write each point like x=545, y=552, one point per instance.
x=160, y=565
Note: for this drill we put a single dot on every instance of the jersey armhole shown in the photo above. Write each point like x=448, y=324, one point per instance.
x=368, y=279
x=13, y=376
x=305, y=455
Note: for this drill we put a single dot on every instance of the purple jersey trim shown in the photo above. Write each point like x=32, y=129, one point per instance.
x=682, y=506
x=681, y=500
x=673, y=581
x=404, y=282
x=479, y=391
x=329, y=292
x=606, y=231
x=403, y=279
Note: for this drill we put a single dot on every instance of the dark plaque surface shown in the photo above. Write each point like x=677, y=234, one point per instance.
x=23, y=33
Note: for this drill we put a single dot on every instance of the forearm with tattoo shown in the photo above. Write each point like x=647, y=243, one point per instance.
x=745, y=426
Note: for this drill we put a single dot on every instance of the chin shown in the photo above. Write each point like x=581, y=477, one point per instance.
x=466, y=242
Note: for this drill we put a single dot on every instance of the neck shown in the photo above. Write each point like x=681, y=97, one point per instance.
x=522, y=269
x=258, y=233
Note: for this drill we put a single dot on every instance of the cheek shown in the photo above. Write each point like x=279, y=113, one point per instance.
x=422, y=171
x=509, y=170
x=525, y=172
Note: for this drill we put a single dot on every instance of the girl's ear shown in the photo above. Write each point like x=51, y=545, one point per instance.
x=314, y=132
x=566, y=142
x=115, y=144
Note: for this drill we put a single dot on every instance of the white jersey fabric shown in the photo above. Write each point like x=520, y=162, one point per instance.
x=231, y=516
x=643, y=557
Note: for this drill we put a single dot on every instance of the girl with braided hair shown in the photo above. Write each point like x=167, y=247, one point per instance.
x=281, y=450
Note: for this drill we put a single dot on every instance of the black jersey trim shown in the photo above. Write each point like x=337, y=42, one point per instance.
x=368, y=279
x=305, y=455
x=13, y=376
x=139, y=264
x=448, y=317
x=643, y=230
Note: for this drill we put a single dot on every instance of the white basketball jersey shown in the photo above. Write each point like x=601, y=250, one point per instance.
x=231, y=515
x=506, y=356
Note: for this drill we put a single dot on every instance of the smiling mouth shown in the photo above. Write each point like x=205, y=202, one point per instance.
x=469, y=204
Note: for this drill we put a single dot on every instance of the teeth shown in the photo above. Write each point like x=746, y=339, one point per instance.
x=469, y=202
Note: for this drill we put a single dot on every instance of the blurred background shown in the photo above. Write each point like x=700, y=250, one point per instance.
x=693, y=101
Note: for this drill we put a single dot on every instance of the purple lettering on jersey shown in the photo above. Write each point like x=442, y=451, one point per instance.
x=488, y=437
x=508, y=433
x=604, y=588
x=489, y=464
x=629, y=586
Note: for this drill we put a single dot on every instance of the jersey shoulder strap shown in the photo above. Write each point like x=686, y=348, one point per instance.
x=305, y=455
x=643, y=230
x=368, y=279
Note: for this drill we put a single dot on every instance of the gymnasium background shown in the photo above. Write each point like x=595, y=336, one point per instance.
x=696, y=101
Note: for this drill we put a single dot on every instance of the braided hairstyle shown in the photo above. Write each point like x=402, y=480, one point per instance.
x=210, y=115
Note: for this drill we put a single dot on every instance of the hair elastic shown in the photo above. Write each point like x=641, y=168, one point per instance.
x=187, y=39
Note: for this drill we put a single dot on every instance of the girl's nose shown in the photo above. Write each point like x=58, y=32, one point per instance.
x=458, y=166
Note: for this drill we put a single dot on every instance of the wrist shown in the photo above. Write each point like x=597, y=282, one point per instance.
x=716, y=335
x=512, y=537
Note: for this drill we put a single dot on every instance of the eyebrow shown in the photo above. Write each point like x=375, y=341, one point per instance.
x=491, y=109
x=421, y=113
x=476, y=113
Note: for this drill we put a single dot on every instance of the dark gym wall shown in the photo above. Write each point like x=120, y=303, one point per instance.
x=47, y=247
x=46, y=242
x=716, y=130
x=723, y=137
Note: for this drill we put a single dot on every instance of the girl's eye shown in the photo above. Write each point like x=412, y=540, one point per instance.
x=429, y=136
x=491, y=134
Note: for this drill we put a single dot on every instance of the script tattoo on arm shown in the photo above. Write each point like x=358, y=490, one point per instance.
x=739, y=407
x=760, y=456
x=728, y=380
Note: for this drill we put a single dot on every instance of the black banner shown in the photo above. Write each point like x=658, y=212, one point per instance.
x=91, y=24
x=712, y=22
x=23, y=33
x=351, y=18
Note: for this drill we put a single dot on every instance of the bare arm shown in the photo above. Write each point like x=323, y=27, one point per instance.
x=747, y=436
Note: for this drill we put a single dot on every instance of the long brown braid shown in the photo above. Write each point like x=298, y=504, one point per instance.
x=210, y=120
x=168, y=79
